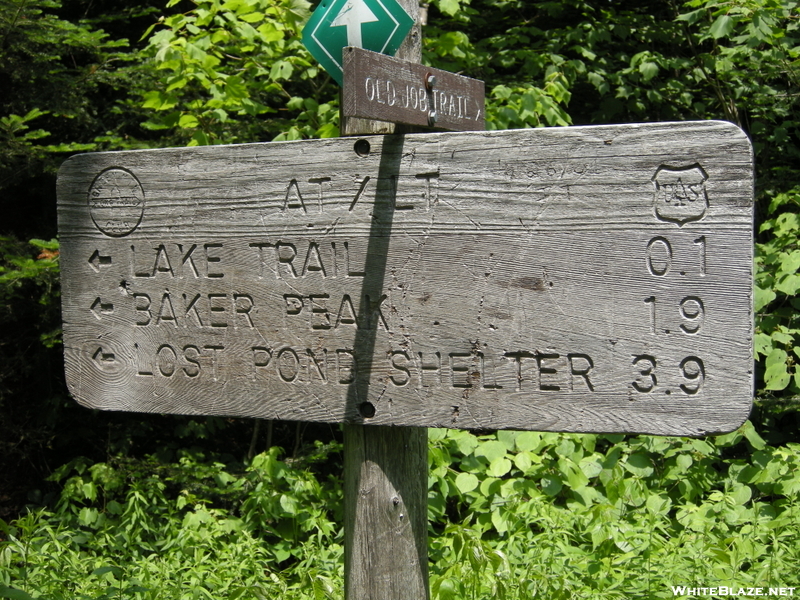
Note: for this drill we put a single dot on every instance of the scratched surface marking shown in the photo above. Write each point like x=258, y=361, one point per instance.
x=576, y=279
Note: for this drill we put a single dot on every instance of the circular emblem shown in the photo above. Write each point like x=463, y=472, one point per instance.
x=116, y=202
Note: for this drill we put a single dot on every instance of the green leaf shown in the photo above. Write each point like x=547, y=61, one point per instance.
x=789, y=284
x=551, y=485
x=188, y=121
x=491, y=450
x=288, y=504
x=87, y=516
x=499, y=467
x=684, y=461
x=575, y=477
x=253, y=17
x=742, y=495
x=523, y=461
x=776, y=375
x=528, y=441
x=159, y=100
x=114, y=570
x=639, y=464
x=763, y=297
x=448, y=7
x=590, y=466
x=466, y=482
x=499, y=521
x=752, y=436
x=14, y=594
x=722, y=27
x=465, y=441
x=648, y=70
x=658, y=504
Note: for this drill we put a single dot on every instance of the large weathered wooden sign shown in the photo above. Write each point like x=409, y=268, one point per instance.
x=380, y=87
x=576, y=279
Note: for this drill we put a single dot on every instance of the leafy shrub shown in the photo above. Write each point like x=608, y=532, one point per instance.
x=523, y=514
x=777, y=303
x=513, y=515
x=143, y=529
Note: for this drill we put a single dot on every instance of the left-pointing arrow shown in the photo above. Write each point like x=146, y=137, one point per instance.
x=97, y=261
x=103, y=358
x=101, y=308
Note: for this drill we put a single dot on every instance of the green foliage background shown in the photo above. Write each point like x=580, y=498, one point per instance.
x=169, y=507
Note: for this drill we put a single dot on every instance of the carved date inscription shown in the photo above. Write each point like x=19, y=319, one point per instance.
x=477, y=280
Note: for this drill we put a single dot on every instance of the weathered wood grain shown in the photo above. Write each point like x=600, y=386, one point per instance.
x=385, y=468
x=381, y=87
x=577, y=279
x=386, y=513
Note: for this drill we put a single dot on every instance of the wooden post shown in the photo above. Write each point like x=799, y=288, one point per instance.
x=385, y=468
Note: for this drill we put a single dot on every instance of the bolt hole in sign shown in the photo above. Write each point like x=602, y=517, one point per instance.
x=377, y=25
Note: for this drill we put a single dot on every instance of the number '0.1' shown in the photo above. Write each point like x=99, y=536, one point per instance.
x=660, y=256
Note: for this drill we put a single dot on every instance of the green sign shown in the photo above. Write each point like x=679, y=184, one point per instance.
x=377, y=25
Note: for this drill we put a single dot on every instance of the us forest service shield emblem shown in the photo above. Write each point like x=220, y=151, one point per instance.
x=680, y=193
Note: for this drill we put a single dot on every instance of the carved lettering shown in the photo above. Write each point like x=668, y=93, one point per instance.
x=362, y=185
x=431, y=193
x=262, y=356
x=199, y=310
x=262, y=261
x=215, y=352
x=318, y=313
x=317, y=367
x=187, y=259
x=185, y=362
x=211, y=257
x=313, y=262
x=288, y=364
x=399, y=360
x=182, y=255
x=346, y=366
x=485, y=373
x=551, y=371
x=166, y=312
x=191, y=307
x=162, y=264
x=286, y=254
x=319, y=181
x=580, y=365
x=346, y=314
x=322, y=260
x=166, y=360
x=459, y=365
x=216, y=308
x=294, y=199
x=317, y=302
x=434, y=367
x=141, y=304
x=242, y=305
x=348, y=261
x=191, y=353
x=142, y=369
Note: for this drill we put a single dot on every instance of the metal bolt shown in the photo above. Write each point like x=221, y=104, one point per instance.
x=432, y=118
x=430, y=81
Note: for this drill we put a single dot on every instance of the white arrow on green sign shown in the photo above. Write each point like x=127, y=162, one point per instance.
x=377, y=25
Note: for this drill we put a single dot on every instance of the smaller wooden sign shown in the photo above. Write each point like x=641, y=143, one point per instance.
x=383, y=88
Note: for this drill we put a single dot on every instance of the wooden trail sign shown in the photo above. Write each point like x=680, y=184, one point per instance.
x=581, y=279
x=388, y=89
